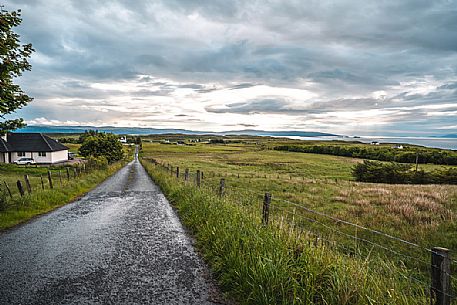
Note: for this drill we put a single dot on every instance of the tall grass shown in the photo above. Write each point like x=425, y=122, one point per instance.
x=279, y=264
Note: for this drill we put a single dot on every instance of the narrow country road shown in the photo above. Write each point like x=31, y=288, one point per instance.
x=120, y=244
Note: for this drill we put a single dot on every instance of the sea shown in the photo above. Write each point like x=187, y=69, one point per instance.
x=443, y=143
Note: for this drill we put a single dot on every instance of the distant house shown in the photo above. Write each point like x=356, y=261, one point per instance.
x=37, y=146
x=123, y=140
x=374, y=143
x=397, y=146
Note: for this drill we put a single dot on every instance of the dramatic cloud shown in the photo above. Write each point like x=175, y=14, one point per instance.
x=353, y=67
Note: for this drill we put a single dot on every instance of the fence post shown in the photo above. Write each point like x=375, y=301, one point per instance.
x=42, y=183
x=74, y=172
x=68, y=173
x=186, y=174
x=198, y=178
x=201, y=175
x=177, y=172
x=50, y=180
x=222, y=187
x=441, y=277
x=60, y=178
x=20, y=188
x=8, y=189
x=27, y=183
x=266, y=208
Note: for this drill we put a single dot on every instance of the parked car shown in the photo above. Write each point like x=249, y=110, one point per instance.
x=71, y=156
x=24, y=161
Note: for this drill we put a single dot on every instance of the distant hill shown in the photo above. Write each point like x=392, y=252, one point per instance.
x=290, y=133
x=147, y=131
x=449, y=136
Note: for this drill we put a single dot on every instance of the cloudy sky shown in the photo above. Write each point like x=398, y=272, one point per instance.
x=350, y=67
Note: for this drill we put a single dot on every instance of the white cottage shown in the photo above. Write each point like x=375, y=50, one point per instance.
x=37, y=146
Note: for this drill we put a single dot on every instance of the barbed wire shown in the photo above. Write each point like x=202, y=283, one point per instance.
x=349, y=223
x=330, y=217
x=360, y=239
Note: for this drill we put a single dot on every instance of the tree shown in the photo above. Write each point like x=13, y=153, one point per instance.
x=13, y=63
x=102, y=145
x=87, y=133
x=139, y=142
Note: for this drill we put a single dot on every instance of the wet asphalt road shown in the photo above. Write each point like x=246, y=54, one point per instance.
x=120, y=244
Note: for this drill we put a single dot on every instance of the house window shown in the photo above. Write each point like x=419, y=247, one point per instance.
x=21, y=154
x=42, y=154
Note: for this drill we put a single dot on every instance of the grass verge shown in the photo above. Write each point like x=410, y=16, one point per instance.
x=255, y=264
x=16, y=210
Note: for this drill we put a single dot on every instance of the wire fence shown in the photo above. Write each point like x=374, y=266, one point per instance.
x=28, y=180
x=350, y=238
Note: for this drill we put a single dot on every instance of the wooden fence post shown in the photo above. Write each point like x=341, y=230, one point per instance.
x=186, y=174
x=68, y=174
x=50, y=180
x=8, y=189
x=222, y=187
x=441, y=277
x=27, y=183
x=266, y=208
x=60, y=178
x=198, y=178
x=177, y=172
x=74, y=173
x=20, y=187
x=201, y=175
x=42, y=182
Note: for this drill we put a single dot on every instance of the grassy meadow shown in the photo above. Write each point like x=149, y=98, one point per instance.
x=422, y=214
x=43, y=199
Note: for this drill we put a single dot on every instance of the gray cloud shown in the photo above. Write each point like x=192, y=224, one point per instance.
x=263, y=105
x=342, y=52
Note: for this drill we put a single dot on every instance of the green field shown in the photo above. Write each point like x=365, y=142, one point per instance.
x=43, y=199
x=422, y=214
x=321, y=182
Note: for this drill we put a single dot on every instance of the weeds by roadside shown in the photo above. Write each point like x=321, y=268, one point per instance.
x=271, y=265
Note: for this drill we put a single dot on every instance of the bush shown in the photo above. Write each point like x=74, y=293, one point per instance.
x=216, y=141
x=97, y=162
x=102, y=144
x=381, y=153
x=3, y=200
x=397, y=173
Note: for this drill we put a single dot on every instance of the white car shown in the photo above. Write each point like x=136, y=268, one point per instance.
x=25, y=161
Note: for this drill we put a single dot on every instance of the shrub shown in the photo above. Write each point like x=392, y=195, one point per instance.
x=216, y=141
x=3, y=200
x=97, y=162
x=408, y=155
x=392, y=172
x=102, y=144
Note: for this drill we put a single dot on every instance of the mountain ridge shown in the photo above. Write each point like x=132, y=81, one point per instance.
x=146, y=131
